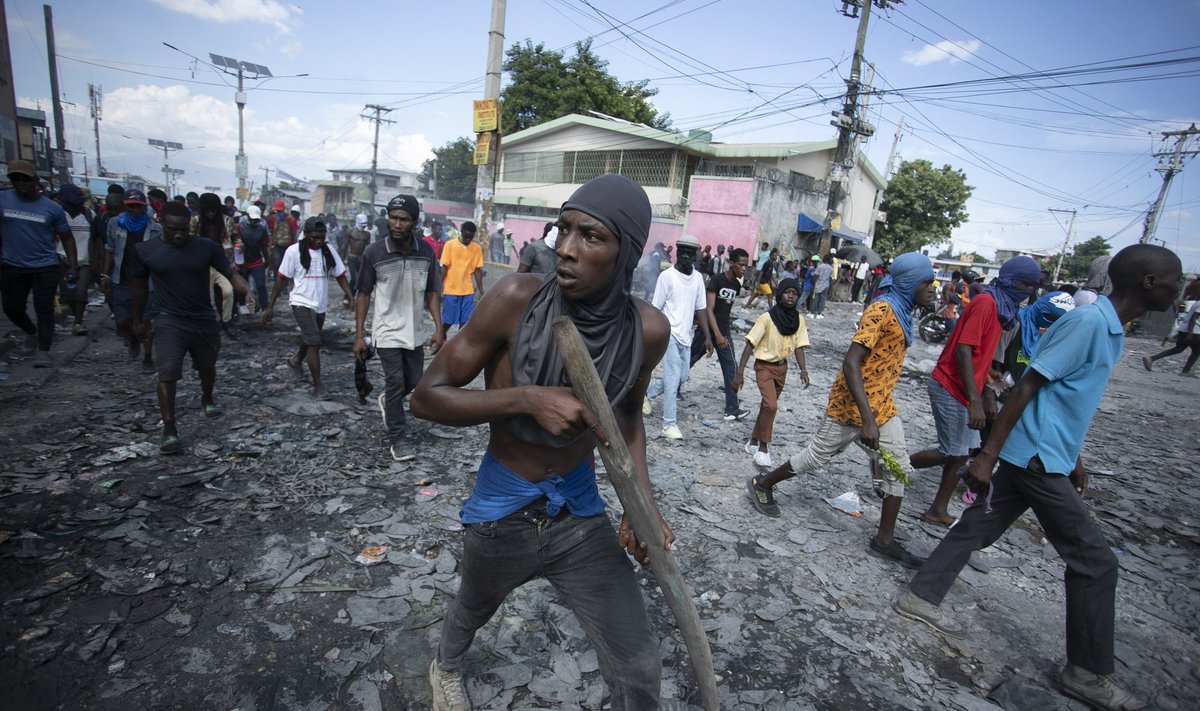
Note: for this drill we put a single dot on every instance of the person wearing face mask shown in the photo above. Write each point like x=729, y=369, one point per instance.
x=957, y=386
x=679, y=294
x=130, y=228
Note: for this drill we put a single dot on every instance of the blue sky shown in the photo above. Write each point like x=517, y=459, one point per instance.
x=1025, y=149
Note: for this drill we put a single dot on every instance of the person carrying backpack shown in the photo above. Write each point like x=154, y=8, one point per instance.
x=283, y=228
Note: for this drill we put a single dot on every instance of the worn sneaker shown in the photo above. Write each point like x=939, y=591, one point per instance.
x=740, y=414
x=762, y=498
x=751, y=447
x=1148, y=363
x=672, y=432
x=914, y=608
x=383, y=408
x=763, y=459
x=449, y=694
x=1099, y=690
x=399, y=453
x=41, y=359
x=646, y=408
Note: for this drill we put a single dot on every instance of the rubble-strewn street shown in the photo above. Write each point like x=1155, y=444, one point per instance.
x=285, y=561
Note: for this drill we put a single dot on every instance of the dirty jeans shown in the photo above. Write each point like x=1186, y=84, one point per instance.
x=1091, y=576
x=402, y=368
x=581, y=559
x=675, y=373
x=15, y=285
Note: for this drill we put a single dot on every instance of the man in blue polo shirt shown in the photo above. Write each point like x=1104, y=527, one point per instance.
x=1037, y=438
x=29, y=224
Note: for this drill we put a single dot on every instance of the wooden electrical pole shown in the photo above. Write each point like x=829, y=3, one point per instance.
x=375, y=148
x=1172, y=166
x=59, y=162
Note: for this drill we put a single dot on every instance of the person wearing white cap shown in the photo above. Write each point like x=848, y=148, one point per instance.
x=256, y=245
x=679, y=294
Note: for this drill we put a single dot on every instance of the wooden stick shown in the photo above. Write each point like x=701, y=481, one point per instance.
x=638, y=506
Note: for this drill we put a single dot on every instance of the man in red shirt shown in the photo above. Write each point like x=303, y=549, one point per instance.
x=956, y=388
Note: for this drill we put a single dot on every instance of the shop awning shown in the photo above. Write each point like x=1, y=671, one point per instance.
x=807, y=223
x=850, y=236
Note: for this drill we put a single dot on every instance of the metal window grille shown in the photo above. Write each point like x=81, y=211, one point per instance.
x=647, y=167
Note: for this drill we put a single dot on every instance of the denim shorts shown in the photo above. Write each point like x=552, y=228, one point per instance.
x=955, y=438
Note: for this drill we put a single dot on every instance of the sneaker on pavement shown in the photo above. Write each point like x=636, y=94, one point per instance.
x=449, y=694
x=399, y=453
x=1148, y=363
x=751, y=447
x=914, y=608
x=41, y=359
x=646, y=409
x=383, y=408
x=763, y=459
x=1099, y=690
x=740, y=414
x=763, y=499
x=672, y=432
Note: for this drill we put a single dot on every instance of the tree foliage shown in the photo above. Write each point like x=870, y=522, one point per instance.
x=1077, y=265
x=544, y=85
x=455, y=171
x=923, y=205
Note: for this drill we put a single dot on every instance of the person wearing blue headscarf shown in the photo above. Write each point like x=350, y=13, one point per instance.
x=861, y=408
x=956, y=388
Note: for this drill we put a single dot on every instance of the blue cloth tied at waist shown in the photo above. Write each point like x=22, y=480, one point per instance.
x=499, y=491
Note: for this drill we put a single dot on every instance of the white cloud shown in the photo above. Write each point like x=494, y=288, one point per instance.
x=282, y=16
x=947, y=49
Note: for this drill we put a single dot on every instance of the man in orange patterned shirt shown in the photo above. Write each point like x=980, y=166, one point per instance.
x=860, y=403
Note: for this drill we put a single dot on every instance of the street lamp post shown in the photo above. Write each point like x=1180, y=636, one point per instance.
x=167, y=147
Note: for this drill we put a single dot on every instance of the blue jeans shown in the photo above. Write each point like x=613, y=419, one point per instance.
x=258, y=275
x=675, y=373
x=581, y=559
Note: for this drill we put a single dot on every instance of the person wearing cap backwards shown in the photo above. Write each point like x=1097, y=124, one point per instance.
x=179, y=262
x=535, y=510
x=309, y=264
x=403, y=275
x=679, y=294
x=130, y=228
x=29, y=224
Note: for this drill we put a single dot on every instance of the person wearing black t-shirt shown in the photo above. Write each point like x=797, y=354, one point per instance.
x=721, y=291
x=186, y=323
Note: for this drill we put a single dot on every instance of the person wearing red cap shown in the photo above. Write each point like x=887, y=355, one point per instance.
x=283, y=229
x=129, y=229
x=29, y=223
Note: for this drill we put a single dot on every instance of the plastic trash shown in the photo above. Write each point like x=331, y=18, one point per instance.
x=847, y=503
x=371, y=555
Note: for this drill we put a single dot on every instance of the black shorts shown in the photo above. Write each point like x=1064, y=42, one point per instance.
x=173, y=338
x=310, y=323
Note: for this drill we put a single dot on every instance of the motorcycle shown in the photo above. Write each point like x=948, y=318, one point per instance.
x=933, y=324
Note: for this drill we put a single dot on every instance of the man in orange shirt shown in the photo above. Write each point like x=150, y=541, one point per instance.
x=462, y=263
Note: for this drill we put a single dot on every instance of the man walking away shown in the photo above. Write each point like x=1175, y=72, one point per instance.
x=408, y=277
x=1187, y=337
x=680, y=296
x=540, y=257
x=30, y=223
x=1040, y=469
x=821, y=284
x=462, y=278
x=179, y=262
x=860, y=278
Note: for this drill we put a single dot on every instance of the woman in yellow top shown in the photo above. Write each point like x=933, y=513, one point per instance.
x=777, y=334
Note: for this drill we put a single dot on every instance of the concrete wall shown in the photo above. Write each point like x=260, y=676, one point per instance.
x=777, y=207
x=856, y=210
x=719, y=212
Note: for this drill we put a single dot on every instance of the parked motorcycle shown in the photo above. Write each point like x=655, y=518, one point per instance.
x=932, y=324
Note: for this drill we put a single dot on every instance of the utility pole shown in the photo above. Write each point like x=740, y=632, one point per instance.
x=59, y=162
x=1066, y=242
x=485, y=177
x=887, y=176
x=95, y=96
x=375, y=148
x=1172, y=166
x=848, y=122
